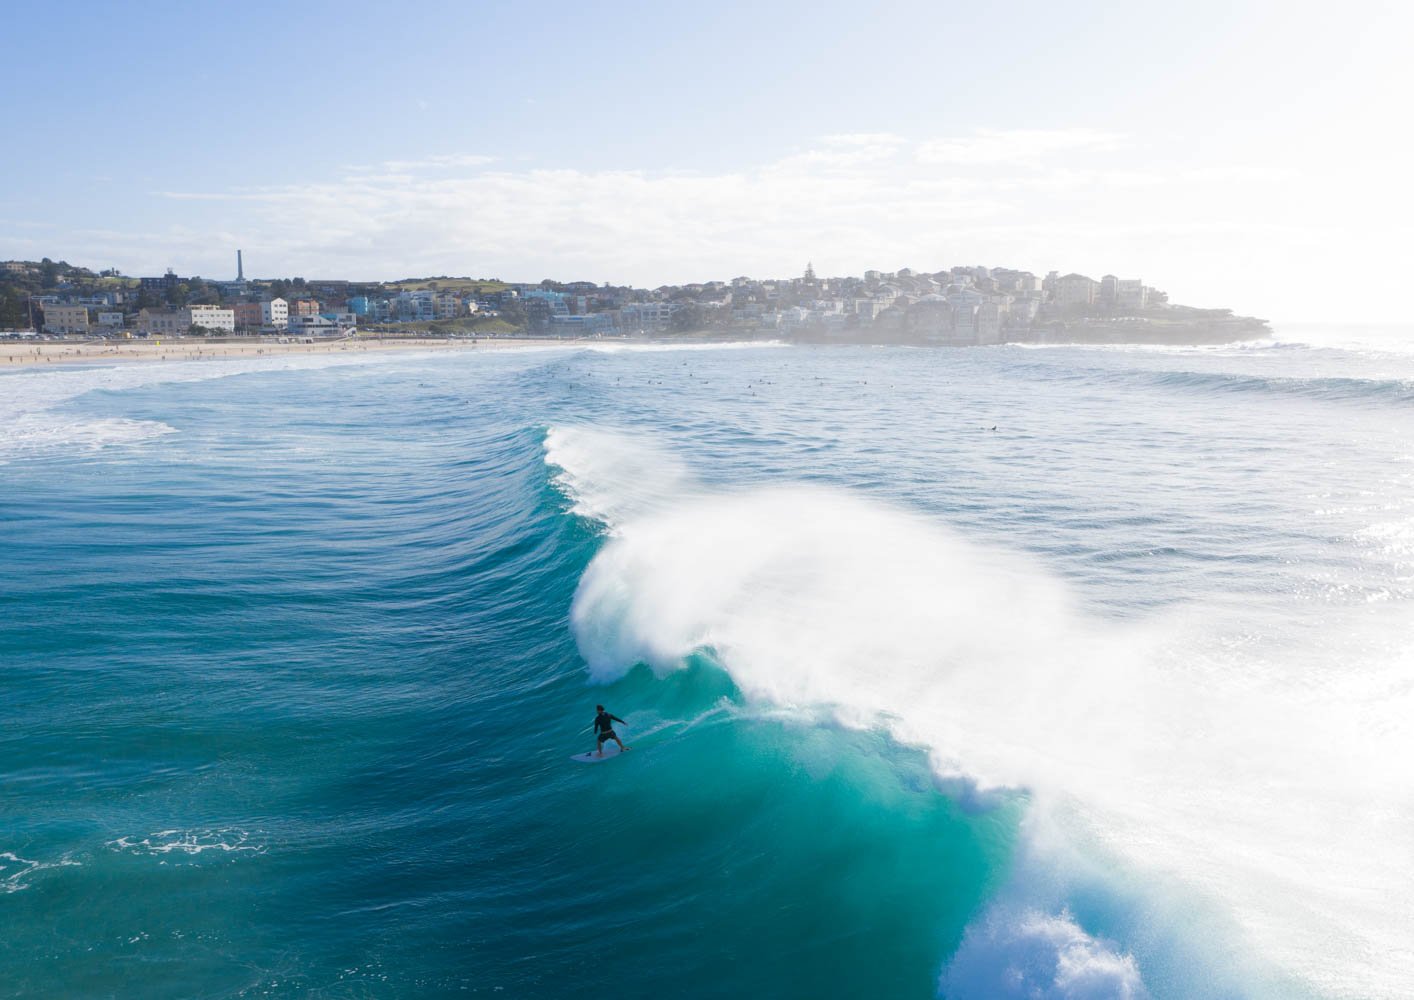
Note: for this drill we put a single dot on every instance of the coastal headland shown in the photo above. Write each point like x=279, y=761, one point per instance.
x=961, y=306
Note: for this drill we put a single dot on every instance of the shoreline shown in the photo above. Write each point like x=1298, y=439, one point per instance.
x=21, y=354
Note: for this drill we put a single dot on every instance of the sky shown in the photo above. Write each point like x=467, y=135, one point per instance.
x=1255, y=156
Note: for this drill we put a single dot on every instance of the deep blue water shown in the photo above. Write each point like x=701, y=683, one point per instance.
x=1057, y=673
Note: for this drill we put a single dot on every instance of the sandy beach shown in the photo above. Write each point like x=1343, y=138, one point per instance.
x=29, y=353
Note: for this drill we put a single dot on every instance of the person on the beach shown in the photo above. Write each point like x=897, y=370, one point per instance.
x=604, y=728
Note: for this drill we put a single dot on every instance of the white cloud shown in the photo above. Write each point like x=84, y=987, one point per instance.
x=855, y=190
x=992, y=147
x=443, y=162
x=1210, y=232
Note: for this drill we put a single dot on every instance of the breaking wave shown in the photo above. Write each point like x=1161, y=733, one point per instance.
x=1172, y=768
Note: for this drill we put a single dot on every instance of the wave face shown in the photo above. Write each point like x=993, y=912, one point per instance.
x=1063, y=673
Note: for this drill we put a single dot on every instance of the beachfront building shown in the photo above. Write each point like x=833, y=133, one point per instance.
x=65, y=319
x=248, y=315
x=319, y=326
x=589, y=324
x=304, y=307
x=163, y=322
x=213, y=318
x=347, y=320
x=275, y=313
x=110, y=320
x=178, y=322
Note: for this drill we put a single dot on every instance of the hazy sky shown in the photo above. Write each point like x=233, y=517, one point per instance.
x=1256, y=156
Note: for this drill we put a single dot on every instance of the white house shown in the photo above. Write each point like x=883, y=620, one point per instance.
x=275, y=313
x=211, y=318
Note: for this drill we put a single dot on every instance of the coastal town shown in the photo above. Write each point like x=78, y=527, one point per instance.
x=958, y=306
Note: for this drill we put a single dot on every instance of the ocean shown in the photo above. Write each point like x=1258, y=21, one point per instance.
x=1063, y=672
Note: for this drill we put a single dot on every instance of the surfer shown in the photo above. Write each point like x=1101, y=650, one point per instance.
x=604, y=728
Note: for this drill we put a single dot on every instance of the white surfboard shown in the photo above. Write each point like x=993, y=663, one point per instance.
x=611, y=750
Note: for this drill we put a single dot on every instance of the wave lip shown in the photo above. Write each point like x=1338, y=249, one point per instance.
x=1343, y=388
x=611, y=477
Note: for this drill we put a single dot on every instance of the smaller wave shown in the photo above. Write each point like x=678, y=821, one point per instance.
x=1238, y=346
x=1344, y=388
x=227, y=840
x=1387, y=340
x=16, y=872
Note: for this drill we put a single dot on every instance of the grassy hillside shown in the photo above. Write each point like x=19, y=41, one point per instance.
x=475, y=286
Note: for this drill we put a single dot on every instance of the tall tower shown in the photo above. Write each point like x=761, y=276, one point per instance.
x=810, y=271
x=240, y=267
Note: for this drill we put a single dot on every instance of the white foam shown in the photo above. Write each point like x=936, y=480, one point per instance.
x=226, y=840
x=16, y=872
x=1271, y=774
x=1029, y=955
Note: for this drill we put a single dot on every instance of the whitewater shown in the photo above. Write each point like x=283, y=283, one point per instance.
x=1053, y=672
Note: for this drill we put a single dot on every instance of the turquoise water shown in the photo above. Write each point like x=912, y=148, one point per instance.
x=1038, y=673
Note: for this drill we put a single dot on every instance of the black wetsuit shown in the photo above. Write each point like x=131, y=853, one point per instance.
x=604, y=726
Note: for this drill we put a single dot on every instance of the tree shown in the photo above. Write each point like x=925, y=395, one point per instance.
x=204, y=293
x=179, y=294
x=688, y=319
x=513, y=313
x=48, y=273
x=14, y=314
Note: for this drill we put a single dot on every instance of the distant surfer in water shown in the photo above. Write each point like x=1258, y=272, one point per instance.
x=604, y=728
